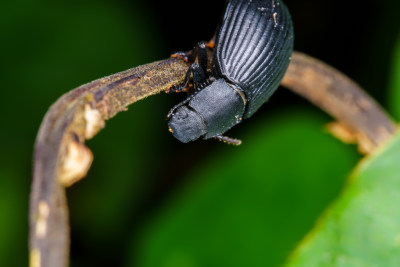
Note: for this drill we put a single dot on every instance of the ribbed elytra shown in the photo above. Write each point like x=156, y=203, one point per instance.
x=253, y=48
x=252, y=51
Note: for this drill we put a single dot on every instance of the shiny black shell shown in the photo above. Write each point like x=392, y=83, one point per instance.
x=253, y=48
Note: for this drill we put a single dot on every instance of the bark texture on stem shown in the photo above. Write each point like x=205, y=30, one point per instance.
x=61, y=158
x=360, y=118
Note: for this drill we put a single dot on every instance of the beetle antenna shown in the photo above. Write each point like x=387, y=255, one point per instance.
x=228, y=140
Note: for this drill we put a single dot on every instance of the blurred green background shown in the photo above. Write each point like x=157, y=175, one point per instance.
x=149, y=200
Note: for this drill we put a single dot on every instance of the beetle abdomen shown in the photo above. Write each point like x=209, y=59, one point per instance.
x=253, y=47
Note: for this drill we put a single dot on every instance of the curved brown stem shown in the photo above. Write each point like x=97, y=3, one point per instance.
x=61, y=158
x=360, y=118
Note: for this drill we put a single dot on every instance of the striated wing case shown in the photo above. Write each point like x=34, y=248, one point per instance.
x=253, y=47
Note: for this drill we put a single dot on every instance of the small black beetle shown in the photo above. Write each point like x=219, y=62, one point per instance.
x=252, y=51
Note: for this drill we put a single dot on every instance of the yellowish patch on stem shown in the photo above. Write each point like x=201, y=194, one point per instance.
x=75, y=164
x=342, y=132
x=41, y=225
x=34, y=259
x=94, y=121
x=348, y=136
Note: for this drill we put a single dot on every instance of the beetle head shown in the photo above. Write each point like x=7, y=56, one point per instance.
x=186, y=124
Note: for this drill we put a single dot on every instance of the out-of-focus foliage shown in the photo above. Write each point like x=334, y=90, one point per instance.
x=47, y=49
x=362, y=228
x=394, y=83
x=149, y=200
x=243, y=207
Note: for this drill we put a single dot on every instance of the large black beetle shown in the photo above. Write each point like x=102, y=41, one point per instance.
x=252, y=51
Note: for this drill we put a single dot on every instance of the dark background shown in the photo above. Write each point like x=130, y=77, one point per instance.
x=149, y=200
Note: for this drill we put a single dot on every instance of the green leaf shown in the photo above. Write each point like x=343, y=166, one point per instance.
x=362, y=227
x=250, y=205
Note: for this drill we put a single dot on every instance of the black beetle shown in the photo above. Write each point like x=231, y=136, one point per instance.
x=252, y=51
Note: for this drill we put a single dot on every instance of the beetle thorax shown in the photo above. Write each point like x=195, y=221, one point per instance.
x=210, y=112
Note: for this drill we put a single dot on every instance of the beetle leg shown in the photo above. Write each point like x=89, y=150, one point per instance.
x=199, y=79
x=201, y=55
x=199, y=67
x=181, y=55
x=228, y=140
x=185, y=84
x=211, y=44
x=199, y=76
x=198, y=70
x=177, y=89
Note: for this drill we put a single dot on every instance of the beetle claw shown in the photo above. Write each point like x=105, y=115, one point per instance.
x=181, y=55
x=176, y=89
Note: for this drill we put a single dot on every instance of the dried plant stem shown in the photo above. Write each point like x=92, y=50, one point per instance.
x=61, y=158
x=359, y=118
